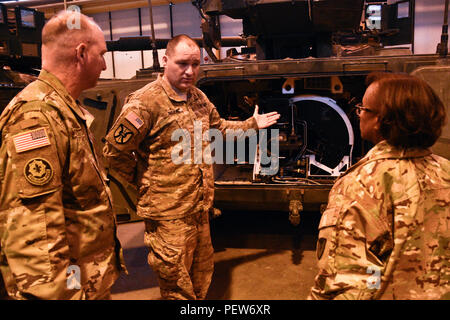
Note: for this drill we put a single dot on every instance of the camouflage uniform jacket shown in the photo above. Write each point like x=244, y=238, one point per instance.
x=385, y=234
x=55, y=206
x=151, y=115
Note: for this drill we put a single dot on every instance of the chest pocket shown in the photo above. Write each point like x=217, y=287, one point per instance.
x=174, y=124
x=85, y=173
x=37, y=170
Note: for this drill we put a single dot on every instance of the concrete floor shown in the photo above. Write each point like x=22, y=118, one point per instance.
x=258, y=256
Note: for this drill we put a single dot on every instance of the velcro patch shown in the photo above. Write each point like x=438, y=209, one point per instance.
x=122, y=134
x=134, y=119
x=31, y=140
x=175, y=111
x=330, y=217
x=321, y=243
x=38, y=171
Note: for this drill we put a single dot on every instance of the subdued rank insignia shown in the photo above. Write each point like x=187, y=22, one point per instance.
x=38, y=171
x=134, y=119
x=122, y=134
x=31, y=140
x=175, y=111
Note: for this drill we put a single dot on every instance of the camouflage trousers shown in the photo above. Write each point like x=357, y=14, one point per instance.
x=182, y=256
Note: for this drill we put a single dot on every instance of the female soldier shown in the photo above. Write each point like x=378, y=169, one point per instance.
x=385, y=231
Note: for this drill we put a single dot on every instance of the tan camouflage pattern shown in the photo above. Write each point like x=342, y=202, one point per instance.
x=390, y=212
x=174, y=199
x=181, y=254
x=68, y=219
x=166, y=190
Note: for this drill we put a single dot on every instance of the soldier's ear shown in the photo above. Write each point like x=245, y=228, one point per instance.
x=164, y=60
x=81, y=51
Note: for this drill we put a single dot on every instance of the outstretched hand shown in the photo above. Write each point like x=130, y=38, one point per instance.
x=265, y=120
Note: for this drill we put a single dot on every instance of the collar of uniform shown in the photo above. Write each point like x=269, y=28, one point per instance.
x=170, y=91
x=383, y=151
x=89, y=117
x=52, y=81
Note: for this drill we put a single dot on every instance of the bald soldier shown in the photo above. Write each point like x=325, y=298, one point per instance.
x=174, y=199
x=57, y=227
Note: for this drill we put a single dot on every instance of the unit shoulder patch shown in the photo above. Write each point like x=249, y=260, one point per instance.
x=122, y=134
x=38, y=171
x=321, y=243
x=30, y=140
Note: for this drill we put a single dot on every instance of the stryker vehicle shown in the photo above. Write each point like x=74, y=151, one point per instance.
x=308, y=60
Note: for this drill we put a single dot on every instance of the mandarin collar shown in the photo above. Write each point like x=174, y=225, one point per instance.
x=171, y=93
x=52, y=81
x=383, y=151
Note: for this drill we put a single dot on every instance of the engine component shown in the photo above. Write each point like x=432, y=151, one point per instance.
x=330, y=139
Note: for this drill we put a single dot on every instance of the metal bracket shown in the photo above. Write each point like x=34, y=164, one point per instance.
x=295, y=206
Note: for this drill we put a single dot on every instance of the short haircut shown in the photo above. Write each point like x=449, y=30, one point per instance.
x=411, y=114
x=171, y=45
x=64, y=32
x=57, y=29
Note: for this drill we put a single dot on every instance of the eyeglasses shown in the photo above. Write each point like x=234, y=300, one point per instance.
x=359, y=108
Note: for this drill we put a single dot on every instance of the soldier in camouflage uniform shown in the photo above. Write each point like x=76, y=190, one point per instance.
x=385, y=232
x=57, y=227
x=174, y=198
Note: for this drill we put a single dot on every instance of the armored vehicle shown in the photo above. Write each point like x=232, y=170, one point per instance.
x=20, y=49
x=297, y=60
x=306, y=59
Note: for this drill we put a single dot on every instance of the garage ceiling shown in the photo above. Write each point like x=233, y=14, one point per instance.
x=51, y=7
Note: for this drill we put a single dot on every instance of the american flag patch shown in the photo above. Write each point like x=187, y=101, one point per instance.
x=31, y=140
x=134, y=119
